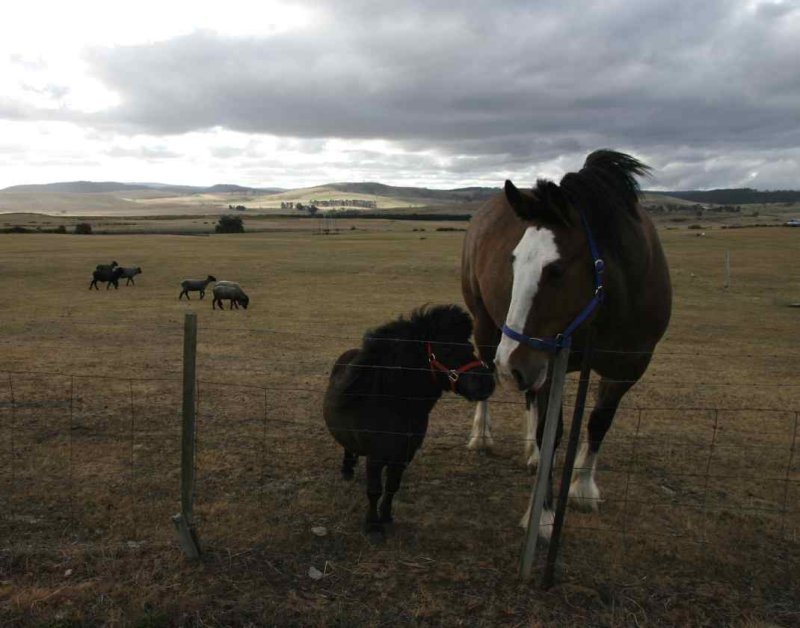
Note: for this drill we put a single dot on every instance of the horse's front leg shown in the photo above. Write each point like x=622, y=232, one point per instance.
x=480, y=438
x=531, y=428
x=548, y=514
x=583, y=491
x=487, y=337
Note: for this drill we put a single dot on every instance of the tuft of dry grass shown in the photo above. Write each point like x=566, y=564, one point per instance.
x=700, y=473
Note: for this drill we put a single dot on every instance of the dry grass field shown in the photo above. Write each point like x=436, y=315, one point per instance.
x=700, y=474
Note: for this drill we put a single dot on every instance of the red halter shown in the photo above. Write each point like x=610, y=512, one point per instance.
x=452, y=374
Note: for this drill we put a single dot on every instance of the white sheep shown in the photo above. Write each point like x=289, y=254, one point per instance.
x=231, y=291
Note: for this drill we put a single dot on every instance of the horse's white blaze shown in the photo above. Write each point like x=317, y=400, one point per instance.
x=535, y=250
x=481, y=436
x=531, y=446
x=583, y=491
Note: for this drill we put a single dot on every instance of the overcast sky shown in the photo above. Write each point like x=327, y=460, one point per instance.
x=296, y=94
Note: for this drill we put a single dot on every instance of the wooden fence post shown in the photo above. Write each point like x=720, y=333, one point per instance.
x=557, y=378
x=184, y=523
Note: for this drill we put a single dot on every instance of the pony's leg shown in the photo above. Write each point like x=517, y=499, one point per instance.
x=531, y=424
x=481, y=437
x=548, y=514
x=372, y=524
x=394, y=473
x=202, y=294
x=583, y=491
x=348, y=464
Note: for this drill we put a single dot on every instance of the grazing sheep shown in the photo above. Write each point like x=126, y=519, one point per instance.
x=195, y=285
x=110, y=266
x=129, y=272
x=108, y=275
x=231, y=291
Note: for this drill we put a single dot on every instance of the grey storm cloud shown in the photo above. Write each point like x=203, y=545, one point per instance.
x=494, y=83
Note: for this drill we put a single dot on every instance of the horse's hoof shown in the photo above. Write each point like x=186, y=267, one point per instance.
x=387, y=519
x=481, y=443
x=347, y=476
x=584, y=496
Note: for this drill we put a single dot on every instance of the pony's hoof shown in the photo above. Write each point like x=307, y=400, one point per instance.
x=347, y=476
x=375, y=534
x=387, y=519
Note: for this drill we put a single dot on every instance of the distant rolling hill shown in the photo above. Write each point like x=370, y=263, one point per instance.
x=111, y=198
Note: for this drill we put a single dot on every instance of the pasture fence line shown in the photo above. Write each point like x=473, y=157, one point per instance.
x=150, y=421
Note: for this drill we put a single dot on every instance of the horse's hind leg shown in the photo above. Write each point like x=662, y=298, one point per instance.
x=583, y=492
x=348, y=464
x=372, y=524
x=394, y=473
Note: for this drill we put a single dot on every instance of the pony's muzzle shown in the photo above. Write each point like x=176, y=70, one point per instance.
x=477, y=384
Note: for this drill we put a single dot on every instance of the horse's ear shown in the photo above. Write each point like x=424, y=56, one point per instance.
x=521, y=205
x=546, y=204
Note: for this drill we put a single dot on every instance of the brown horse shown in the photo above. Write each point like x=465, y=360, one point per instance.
x=539, y=267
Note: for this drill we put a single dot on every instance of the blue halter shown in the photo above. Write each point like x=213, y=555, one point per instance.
x=564, y=339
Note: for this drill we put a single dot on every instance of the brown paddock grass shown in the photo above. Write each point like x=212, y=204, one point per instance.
x=700, y=473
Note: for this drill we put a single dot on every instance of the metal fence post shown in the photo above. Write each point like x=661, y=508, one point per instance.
x=557, y=378
x=184, y=523
x=569, y=460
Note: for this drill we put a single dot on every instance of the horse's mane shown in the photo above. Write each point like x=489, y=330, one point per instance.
x=401, y=343
x=605, y=189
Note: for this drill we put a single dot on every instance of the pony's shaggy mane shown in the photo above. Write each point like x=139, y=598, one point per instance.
x=400, y=343
x=439, y=323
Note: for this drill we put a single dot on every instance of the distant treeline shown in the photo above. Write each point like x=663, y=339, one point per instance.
x=736, y=196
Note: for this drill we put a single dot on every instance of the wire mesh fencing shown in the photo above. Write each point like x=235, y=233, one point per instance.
x=96, y=459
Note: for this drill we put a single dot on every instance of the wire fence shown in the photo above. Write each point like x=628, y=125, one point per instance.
x=95, y=459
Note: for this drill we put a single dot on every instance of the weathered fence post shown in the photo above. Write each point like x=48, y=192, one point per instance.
x=187, y=535
x=557, y=378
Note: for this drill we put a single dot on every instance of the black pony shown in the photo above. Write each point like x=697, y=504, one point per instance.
x=379, y=397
